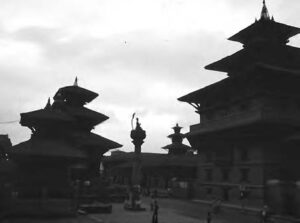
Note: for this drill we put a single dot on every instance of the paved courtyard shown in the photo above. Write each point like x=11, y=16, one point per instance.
x=175, y=211
x=170, y=211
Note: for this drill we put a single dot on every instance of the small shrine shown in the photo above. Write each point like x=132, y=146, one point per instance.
x=177, y=147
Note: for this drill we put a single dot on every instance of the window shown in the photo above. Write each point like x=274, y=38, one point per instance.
x=208, y=174
x=209, y=116
x=223, y=111
x=284, y=103
x=208, y=190
x=225, y=193
x=209, y=156
x=245, y=174
x=223, y=156
x=156, y=182
x=244, y=154
x=243, y=106
x=225, y=174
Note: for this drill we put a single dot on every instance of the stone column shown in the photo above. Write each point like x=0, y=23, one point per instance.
x=138, y=135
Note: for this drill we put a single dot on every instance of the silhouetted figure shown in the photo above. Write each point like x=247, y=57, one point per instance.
x=216, y=206
x=148, y=191
x=208, y=218
x=243, y=195
x=152, y=202
x=155, y=213
x=264, y=214
x=155, y=193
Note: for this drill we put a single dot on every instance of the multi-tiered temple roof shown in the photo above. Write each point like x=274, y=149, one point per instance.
x=62, y=151
x=265, y=55
x=63, y=128
x=262, y=41
x=264, y=74
x=177, y=147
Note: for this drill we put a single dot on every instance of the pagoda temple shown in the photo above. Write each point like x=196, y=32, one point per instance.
x=248, y=136
x=62, y=149
x=177, y=147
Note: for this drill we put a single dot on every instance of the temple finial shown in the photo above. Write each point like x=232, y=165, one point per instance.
x=48, y=105
x=138, y=124
x=264, y=12
x=177, y=127
x=76, y=82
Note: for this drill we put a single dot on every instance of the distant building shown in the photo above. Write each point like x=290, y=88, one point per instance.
x=62, y=150
x=159, y=171
x=248, y=137
x=176, y=170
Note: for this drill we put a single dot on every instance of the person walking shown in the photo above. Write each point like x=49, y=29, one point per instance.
x=155, y=213
x=208, y=217
x=152, y=202
x=264, y=214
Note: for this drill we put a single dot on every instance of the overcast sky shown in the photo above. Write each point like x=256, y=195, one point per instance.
x=139, y=55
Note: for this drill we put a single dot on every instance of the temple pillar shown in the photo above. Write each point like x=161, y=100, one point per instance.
x=138, y=135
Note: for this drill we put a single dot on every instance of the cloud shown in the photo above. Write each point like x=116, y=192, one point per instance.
x=139, y=59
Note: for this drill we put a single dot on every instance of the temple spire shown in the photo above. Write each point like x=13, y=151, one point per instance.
x=76, y=82
x=48, y=105
x=264, y=12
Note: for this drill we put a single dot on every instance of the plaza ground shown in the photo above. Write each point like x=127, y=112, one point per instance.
x=170, y=211
x=175, y=211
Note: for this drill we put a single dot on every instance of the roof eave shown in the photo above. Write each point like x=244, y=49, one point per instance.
x=240, y=36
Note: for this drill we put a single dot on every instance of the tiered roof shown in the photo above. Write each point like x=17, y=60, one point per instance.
x=75, y=94
x=265, y=53
x=264, y=43
x=92, y=140
x=265, y=29
x=65, y=126
x=177, y=147
x=247, y=58
x=41, y=147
